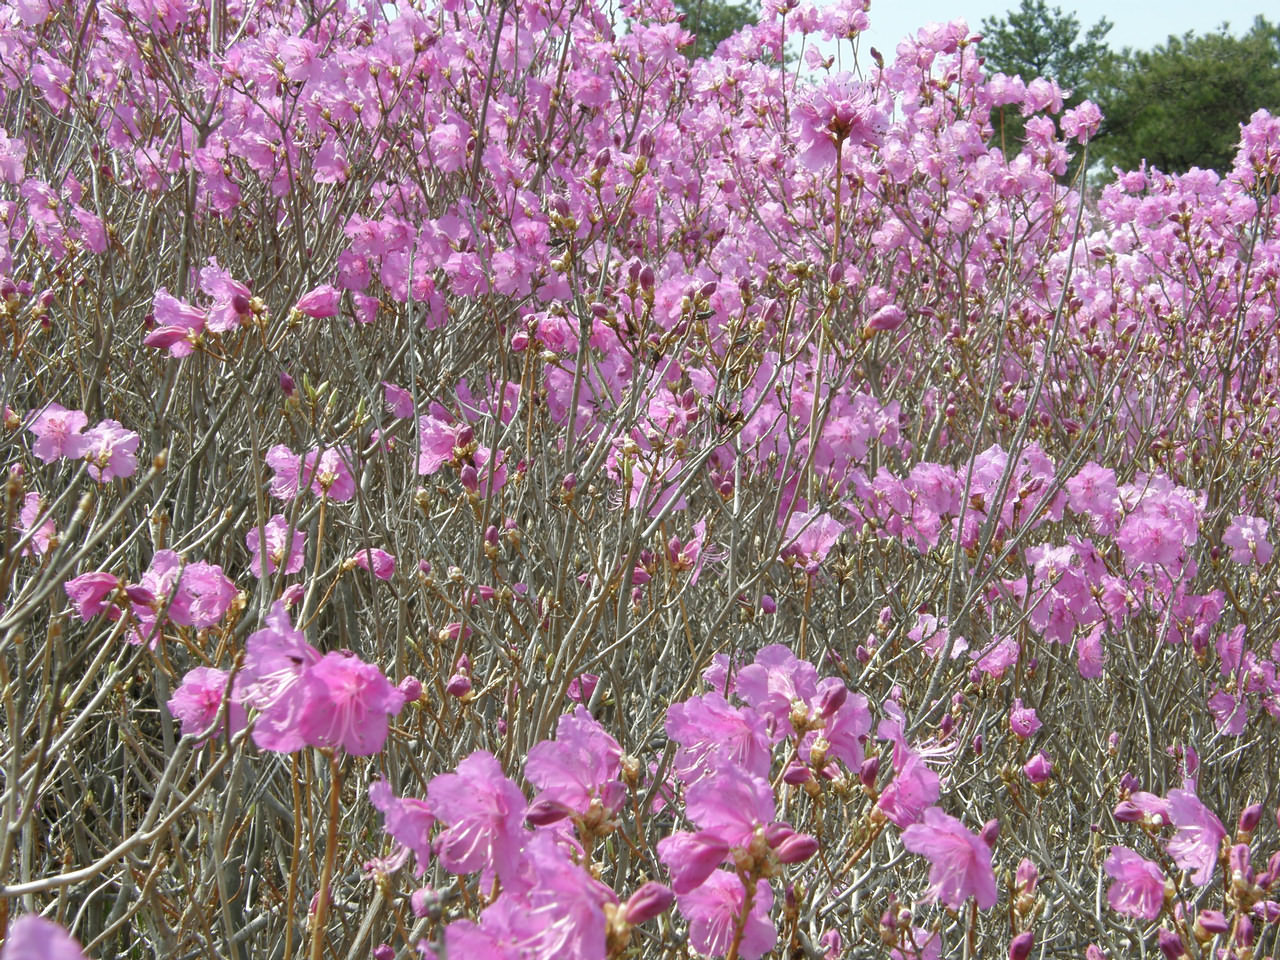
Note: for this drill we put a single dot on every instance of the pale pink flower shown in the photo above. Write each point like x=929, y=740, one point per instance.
x=110, y=451
x=713, y=911
x=1198, y=837
x=906, y=798
x=42, y=534
x=961, y=861
x=1247, y=538
x=1138, y=890
x=348, y=704
x=91, y=593
x=284, y=546
x=1023, y=720
x=275, y=680
x=57, y=431
x=408, y=821
x=580, y=765
x=484, y=812
x=319, y=302
x=198, y=699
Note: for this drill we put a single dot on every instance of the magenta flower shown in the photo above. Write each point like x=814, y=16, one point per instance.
x=284, y=546
x=178, y=325
x=110, y=451
x=1198, y=837
x=774, y=681
x=580, y=765
x=275, y=680
x=1039, y=768
x=204, y=596
x=286, y=464
x=1023, y=720
x=566, y=916
x=347, y=705
x=408, y=821
x=329, y=473
x=32, y=937
x=1138, y=890
x=199, y=697
x=907, y=796
x=319, y=303
x=485, y=815
x=399, y=400
x=730, y=803
x=90, y=592
x=708, y=727
x=1247, y=538
x=57, y=431
x=378, y=562
x=713, y=910
x=961, y=861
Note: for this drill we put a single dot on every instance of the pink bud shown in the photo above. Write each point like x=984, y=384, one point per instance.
x=140, y=595
x=776, y=832
x=796, y=773
x=544, y=811
x=646, y=278
x=1127, y=811
x=1027, y=876
x=411, y=687
x=990, y=831
x=831, y=699
x=569, y=482
x=768, y=604
x=1020, y=946
x=1039, y=768
x=240, y=304
x=797, y=848
x=647, y=902
x=459, y=685
x=889, y=317
x=1250, y=817
x=1170, y=944
x=469, y=479
x=384, y=951
x=1213, y=921
x=868, y=772
x=287, y=385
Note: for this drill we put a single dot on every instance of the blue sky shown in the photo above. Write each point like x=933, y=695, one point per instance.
x=1138, y=23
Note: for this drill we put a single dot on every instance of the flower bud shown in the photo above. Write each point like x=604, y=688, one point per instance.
x=796, y=773
x=384, y=951
x=831, y=699
x=411, y=688
x=646, y=278
x=424, y=902
x=459, y=685
x=776, y=832
x=797, y=848
x=1170, y=944
x=1127, y=811
x=544, y=811
x=1210, y=923
x=1039, y=768
x=869, y=771
x=1250, y=817
x=990, y=832
x=1244, y=930
x=1020, y=946
x=647, y=902
x=768, y=604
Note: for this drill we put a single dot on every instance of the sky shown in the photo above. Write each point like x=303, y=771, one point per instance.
x=1138, y=23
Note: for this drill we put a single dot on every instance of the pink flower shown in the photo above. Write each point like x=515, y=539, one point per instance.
x=286, y=464
x=347, y=705
x=399, y=400
x=580, y=765
x=1247, y=538
x=284, y=546
x=485, y=815
x=380, y=563
x=713, y=910
x=1039, y=768
x=319, y=303
x=1198, y=837
x=708, y=727
x=199, y=697
x=42, y=534
x=730, y=803
x=1138, y=890
x=1023, y=720
x=275, y=680
x=961, y=861
x=90, y=592
x=810, y=536
x=329, y=473
x=57, y=431
x=915, y=788
x=110, y=450
x=204, y=596
x=408, y=821
x=776, y=679
x=32, y=937
x=178, y=325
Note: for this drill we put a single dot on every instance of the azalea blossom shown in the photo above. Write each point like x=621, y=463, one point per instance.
x=961, y=861
x=1138, y=887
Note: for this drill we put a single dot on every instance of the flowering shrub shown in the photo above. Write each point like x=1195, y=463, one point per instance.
x=578, y=502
